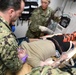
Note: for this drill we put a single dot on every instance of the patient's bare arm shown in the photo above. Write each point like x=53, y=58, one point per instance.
x=56, y=63
x=65, y=57
x=49, y=36
x=33, y=39
x=60, y=60
x=49, y=61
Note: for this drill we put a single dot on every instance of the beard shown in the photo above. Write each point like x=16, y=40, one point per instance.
x=13, y=19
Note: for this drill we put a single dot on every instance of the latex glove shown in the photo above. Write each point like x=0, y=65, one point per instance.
x=22, y=54
x=45, y=29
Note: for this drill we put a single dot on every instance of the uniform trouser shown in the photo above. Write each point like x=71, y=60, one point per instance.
x=46, y=70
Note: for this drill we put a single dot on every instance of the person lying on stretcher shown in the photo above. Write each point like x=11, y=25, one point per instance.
x=39, y=52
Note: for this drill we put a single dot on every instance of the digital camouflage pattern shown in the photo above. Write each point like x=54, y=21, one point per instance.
x=38, y=18
x=48, y=70
x=8, y=49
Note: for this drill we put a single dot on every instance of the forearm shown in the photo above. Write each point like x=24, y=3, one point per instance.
x=43, y=63
x=45, y=30
x=46, y=62
x=60, y=60
x=32, y=39
x=49, y=36
x=57, y=63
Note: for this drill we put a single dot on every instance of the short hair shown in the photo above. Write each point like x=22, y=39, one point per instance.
x=5, y=4
x=49, y=1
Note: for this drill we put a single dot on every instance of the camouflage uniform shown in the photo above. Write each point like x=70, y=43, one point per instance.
x=47, y=70
x=39, y=18
x=8, y=49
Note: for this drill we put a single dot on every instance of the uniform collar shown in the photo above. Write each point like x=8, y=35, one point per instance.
x=5, y=22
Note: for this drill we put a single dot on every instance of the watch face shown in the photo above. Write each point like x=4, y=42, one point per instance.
x=64, y=22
